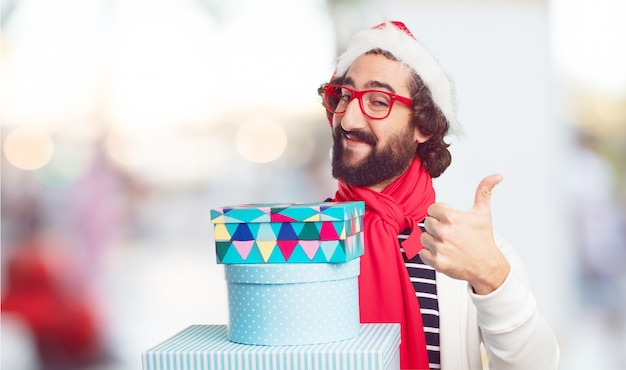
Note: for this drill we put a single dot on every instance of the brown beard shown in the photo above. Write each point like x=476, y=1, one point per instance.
x=382, y=164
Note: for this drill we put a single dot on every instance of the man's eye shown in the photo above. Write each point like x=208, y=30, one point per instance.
x=378, y=100
x=383, y=103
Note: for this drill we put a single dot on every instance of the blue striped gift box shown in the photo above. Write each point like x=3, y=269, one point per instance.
x=206, y=347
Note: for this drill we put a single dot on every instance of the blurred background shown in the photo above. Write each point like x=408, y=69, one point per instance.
x=124, y=122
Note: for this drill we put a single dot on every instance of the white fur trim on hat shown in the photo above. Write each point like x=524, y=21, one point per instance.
x=395, y=38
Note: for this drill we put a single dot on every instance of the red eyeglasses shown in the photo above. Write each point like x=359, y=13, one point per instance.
x=375, y=104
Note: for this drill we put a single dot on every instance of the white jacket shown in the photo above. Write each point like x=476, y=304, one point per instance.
x=507, y=322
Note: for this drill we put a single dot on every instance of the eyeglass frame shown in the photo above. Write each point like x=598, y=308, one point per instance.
x=358, y=94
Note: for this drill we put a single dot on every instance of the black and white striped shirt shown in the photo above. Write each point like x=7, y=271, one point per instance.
x=424, y=282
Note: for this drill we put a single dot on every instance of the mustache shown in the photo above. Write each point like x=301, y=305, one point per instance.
x=359, y=135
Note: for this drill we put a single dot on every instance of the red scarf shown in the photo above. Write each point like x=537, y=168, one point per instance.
x=386, y=294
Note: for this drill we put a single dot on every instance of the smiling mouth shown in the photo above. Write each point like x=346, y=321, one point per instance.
x=358, y=136
x=352, y=138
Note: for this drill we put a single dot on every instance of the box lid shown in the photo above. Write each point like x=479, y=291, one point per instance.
x=287, y=212
x=285, y=273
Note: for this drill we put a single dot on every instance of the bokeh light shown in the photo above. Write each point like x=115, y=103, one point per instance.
x=261, y=140
x=28, y=148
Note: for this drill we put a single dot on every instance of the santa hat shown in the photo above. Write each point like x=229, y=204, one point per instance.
x=396, y=38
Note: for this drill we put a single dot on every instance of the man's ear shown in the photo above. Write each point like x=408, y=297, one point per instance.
x=419, y=137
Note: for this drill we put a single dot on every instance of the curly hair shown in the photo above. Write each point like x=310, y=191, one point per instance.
x=430, y=121
x=426, y=117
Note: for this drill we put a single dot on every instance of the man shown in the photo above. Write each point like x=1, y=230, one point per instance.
x=454, y=283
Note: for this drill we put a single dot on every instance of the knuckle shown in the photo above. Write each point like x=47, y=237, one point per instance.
x=444, y=233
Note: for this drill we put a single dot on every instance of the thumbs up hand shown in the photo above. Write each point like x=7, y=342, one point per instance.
x=461, y=245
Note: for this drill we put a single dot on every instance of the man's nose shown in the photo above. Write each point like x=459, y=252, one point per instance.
x=353, y=118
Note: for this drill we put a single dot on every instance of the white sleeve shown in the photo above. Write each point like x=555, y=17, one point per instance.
x=515, y=334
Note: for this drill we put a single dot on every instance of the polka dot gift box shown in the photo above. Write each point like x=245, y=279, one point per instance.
x=289, y=304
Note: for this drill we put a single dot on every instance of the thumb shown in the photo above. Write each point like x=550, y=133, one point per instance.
x=484, y=190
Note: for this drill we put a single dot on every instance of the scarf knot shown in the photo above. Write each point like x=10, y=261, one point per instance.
x=392, y=214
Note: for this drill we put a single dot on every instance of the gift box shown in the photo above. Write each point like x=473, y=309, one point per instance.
x=206, y=347
x=289, y=233
x=293, y=304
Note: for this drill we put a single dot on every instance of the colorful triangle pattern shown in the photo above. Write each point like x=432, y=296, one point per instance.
x=326, y=232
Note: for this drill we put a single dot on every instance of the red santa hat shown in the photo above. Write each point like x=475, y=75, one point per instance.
x=396, y=38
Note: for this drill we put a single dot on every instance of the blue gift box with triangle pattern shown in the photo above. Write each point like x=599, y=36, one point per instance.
x=322, y=232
